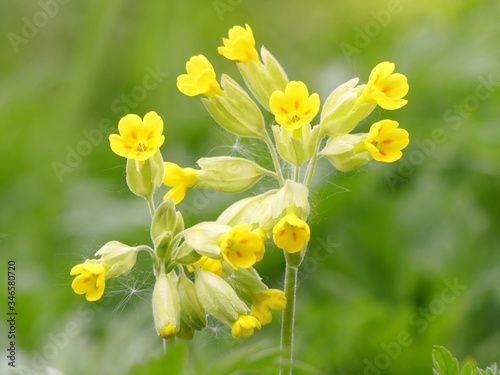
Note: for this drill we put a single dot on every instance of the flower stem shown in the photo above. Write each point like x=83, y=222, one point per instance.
x=288, y=318
x=151, y=205
x=312, y=164
x=276, y=162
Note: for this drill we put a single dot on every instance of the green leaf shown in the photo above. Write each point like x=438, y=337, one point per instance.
x=468, y=369
x=444, y=362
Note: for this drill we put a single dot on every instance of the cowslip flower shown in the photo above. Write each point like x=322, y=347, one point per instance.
x=264, y=301
x=245, y=325
x=90, y=280
x=139, y=139
x=294, y=107
x=291, y=233
x=385, y=141
x=200, y=78
x=241, y=247
x=240, y=46
x=208, y=264
x=179, y=179
x=386, y=88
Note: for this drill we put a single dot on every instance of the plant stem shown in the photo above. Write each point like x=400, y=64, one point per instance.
x=151, y=205
x=276, y=162
x=288, y=320
x=312, y=164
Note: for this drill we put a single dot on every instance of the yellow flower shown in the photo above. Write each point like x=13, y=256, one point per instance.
x=264, y=301
x=90, y=280
x=241, y=247
x=138, y=139
x=245, y=325
x=179, y=179
x=168, y=331
x=208, y=264
x=291, y=233
x=240, y=45
x=385, y=141
x=386, y=88
x=295, y=107
x=200, y=78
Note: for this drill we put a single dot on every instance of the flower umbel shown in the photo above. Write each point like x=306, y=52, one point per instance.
x=386, y=88
x=200, y=78
x=291, y=233
x=294, y=107
x=138, y=139
x=385, y=141
x=240, y=45
x=264, y=301
x=90, y=280
x=241, y=247
x=179, y=179
x=245, y=325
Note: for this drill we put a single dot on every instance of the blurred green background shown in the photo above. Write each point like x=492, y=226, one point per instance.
x=403, y=256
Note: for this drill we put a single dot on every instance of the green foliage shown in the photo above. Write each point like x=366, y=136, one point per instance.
x=446, y=364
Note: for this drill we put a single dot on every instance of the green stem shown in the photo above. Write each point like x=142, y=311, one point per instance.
x=151, y=205
x=274, y=156
x=288, y=320
x=296, y=173
x=312, y=164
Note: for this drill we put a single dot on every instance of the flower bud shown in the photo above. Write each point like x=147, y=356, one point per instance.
x=229, y=174
x=119, y=257
x=204, y=238
x=144, y=178
x=193, y=314
x=347, y=151
x=292, y=197
x=298, y=146
x=263, y=79
x=342, y=110
x=166, y=305
x=243, y=211
x=184, y=254
x=166, y=224
x=218, y=298
x=245, y=281
x=235, y=111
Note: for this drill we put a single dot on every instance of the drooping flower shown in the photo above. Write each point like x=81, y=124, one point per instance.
x=90, y=280
x=139, y=139
x=385, y=88
x=291, y=233
x=245, y=325
x=294, y=107
x=179, y=179
x=166, y=306
x=200, y=78
x=264, y=301
x=241, y=247
x=385, y=141
x=240, y=46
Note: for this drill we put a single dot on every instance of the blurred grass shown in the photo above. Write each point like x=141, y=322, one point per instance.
x=396, y=245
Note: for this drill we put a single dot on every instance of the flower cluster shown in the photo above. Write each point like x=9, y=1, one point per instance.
x=208, y=268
